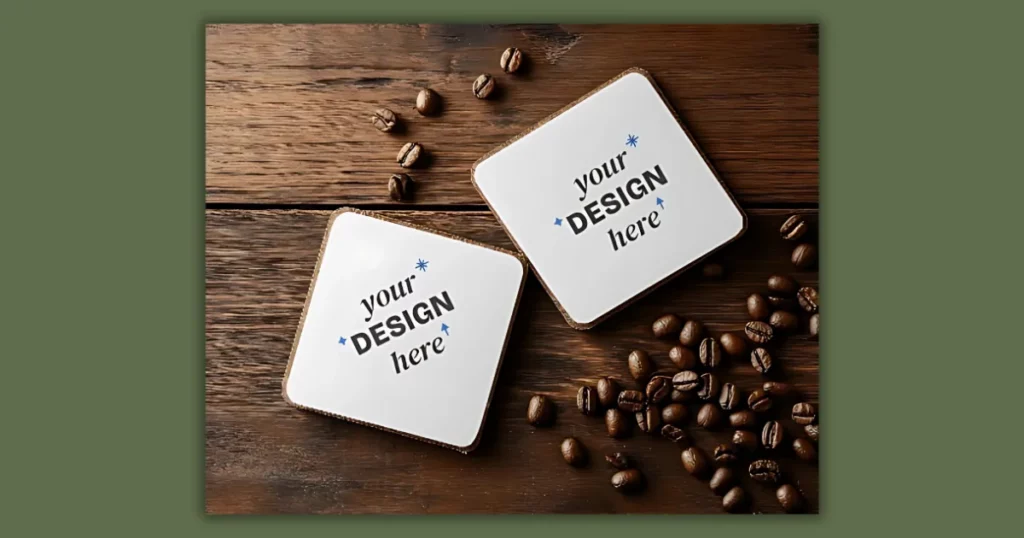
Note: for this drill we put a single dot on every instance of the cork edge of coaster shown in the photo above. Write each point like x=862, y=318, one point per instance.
x=519, y=256
x=643, y=293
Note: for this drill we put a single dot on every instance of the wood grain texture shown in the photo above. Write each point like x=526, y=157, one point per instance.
x=263, y=456
x=288, y=106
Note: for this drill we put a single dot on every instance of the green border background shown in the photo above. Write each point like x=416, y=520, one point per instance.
x=101, y=185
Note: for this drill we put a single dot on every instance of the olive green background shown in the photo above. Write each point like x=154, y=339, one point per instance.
x=101, y=216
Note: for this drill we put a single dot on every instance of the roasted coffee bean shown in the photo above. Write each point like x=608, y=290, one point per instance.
x=779, y=302
x=674, y=414
x=695, y=462
x=804, y=449
x=790, y=499
x=686, y=381
x=709, y=416
x=691, y=333
x=427, y=102
x=608, y=392
x=631, y=401
x=541, y=412
x=804, y=414
x=815, y=325
x=812, y=432
x=722, y=481
x=400, y=187
x=746, y=440
x=659, y=388
x=765, y=471
x=729, y=399
x=794, y=228
x=759, y=401
x=683, y=357
x=675, y=434
x=574, y=452
x=384, y=120
x=667, y=326
x=710, y=353
x=784, y=321
x=713, y=270
x=409, y=154
x=709, y=387
x=758, y=307
x=733, y=344
x=782, y=285
x=808, y=298
x=628, y=481
x=619, y=460
x=616, y=423
x=805, y=256
x=777, y=388
x=511, y=60
x=735, y=500
x=771, y=435
x=649, y=420
x=679, y=396
x=759, y=331
x=745, y=419
x=725, y=454
x=761, y=360
x=640, y=365
x=483, y=86
x=586, y=401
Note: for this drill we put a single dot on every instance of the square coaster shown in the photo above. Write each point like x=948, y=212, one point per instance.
x=404, y=329
x=608, y=198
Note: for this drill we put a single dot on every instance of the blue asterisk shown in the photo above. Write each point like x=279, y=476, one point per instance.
x=558, y=221
x=342, y=340
x=422, y=265
x=631, y=140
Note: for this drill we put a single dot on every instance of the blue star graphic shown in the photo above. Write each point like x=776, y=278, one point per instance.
x=422, y=265
x=631, y=140
x=342, y=340
x=558, y=221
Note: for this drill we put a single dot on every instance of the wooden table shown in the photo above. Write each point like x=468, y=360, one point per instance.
x=288, y=140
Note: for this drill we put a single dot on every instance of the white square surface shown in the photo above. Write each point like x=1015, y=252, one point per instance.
x=428, y=292
x=631, y=151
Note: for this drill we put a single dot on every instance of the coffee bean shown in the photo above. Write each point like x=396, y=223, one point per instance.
x=710, y=353
x=574, y=452
x=709, y=387
x=667, y=326
x=695, y=462
x=725, y=454
x=777, y=388
x=779, y=302
x=812, y=432
x=384, y=120
x=758, y=331
x=735, y=500
x=758, y=307
x=400, y=187
x=804, y=449
x=659, y=388
x=619, y=460
x=709, y=416
x=761, y=360
x=713, y=270
x=765, y=471
x=722, y=481
x=541, y=412
x=782, y=284
x=746, y=440
x=815, y=326
x=804, y=413
x=805, y=255
x=683, y=357
x=686, y=381
x=729, y=399
x=733, y=344
x=771, y=435
x=616, y=423
x=409, y=154
x=628, y=481
x=631, y=401
x=745, y=419
x=808, y=298
x=483, y=86
x=607, y=392
x=759, y=401
x=586, y=401
x=790, y=499
x=784, y=321
x=675, y=434
x=640, y=365
x=511, y=60
x=679, y=396
x=674, y=414
x=649, y=420
x=794, y=228
x=691, y=333
x=427, y=102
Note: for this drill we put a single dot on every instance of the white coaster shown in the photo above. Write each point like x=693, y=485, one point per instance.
x=608, y=198
x=404, y=329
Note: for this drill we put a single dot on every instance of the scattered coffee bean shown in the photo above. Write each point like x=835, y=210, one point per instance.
x=686, y=381
x=808, y=298
x=771, y=435
x=713, y=270
x=384, y=120
x=679, y=396
x=784, y=321
x=725, y=454
x=765, y=471
x=761, y=360
x=709, y=387
x=735, y=500
x=607, y=392
x=400, y=187
x=729, y=399
x=667, y=326
x=790, y=499
x=574, y=452
x=587, y=402
x=695, y=462
x=758, y=307
x=649, y=420
x=674, y=414
x=804, y=414
x=710, y=353
x=616, y=423
x=427, y=102
x=483, y=86
x=805, y=255
x=640, y=365
x=659, y=388
x=691, y=333
x=780, y=302
x=746, y=440
x=619, y=460
x=709, y=416
x=675, y=434
x=782, y=284
x=777, y=388
x=759, y=331
x=804, y=449
x=759, y=401
x=815, y=326
x=541, y=411
x=812, y=432
x=722, y=481
x=683, y=357
x=510, y=60
x=794, y=228
x=733, y=344
x=409, y=154
x=631, y=401
x=628, y=481
x=745, y=419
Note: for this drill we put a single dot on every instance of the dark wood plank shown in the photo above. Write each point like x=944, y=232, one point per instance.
x=287, y=106
x=263, y=456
